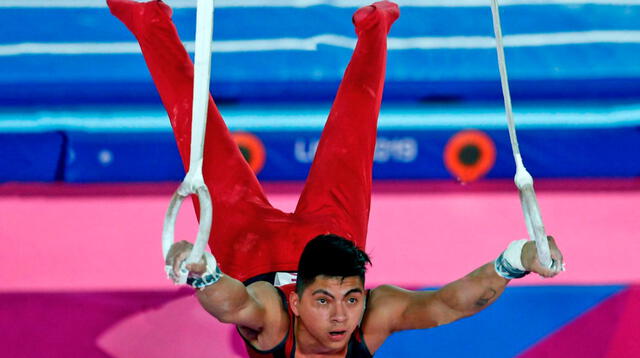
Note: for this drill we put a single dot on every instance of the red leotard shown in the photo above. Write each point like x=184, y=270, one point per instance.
x=249, y=236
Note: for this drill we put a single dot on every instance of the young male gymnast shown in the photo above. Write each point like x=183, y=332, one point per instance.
x=327, y=312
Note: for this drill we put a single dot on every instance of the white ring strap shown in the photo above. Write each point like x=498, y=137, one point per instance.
x=193, y=182
x=523, y=180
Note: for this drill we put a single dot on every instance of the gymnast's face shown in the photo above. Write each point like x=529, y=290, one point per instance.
x=328, y=311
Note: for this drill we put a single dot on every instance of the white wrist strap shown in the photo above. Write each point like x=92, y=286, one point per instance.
x=509, y=263
x=513, y=254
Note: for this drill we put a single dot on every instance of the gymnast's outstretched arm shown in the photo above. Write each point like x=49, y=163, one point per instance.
x=393, y=309
x=256, y=309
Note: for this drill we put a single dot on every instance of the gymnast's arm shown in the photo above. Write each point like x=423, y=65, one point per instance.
x=228, y=300
x=393, y=309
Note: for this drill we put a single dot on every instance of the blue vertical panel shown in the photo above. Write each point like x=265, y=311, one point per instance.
x=122, y=157
x=29, y=157
x=588, y=152
x=399, y=154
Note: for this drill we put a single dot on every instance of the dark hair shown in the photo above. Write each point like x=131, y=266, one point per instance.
x=330, y=255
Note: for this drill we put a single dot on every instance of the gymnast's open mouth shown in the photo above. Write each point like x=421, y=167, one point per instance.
x=337, y=335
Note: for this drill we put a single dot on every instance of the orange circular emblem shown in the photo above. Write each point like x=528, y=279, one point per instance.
x=469, y=155
x=252, y=149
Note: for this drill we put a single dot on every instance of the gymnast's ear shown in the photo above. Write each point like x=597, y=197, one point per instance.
x=294, y=300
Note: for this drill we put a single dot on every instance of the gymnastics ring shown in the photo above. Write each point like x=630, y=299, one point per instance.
x=168, y=230
x=522, y=179
x=193, y=182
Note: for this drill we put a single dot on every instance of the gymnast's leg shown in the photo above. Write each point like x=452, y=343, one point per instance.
x=235, y=190
x=338, y=188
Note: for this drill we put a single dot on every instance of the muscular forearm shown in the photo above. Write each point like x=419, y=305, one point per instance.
x=474, y=292
x=222, y=296
x=459, y=299
x=483, y=286
x=468, y=295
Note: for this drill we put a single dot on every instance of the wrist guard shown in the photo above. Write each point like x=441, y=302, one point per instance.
x=509, y=263
x=209, y=277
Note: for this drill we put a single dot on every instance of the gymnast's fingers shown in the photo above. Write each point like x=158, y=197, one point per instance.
x=173, y=251
x=198, y=267
x=178, y=253
x=556, y=256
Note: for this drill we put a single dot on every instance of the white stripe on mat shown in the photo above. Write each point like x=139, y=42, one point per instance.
x=312, y=43
x=310, y=3
x=270, y=119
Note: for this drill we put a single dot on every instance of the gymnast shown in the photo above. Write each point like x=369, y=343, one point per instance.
x=325, y=311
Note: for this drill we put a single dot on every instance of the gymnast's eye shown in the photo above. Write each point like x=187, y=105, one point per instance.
x=322, y=301
x=352, y=300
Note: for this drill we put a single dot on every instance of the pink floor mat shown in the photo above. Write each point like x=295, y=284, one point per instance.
x=417, y=237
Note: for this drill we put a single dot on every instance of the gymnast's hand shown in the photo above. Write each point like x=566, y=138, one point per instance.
x=531, y=263
x=257, y=307
x=177, y=254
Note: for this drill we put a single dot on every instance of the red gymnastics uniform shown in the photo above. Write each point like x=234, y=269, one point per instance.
x=250, y=237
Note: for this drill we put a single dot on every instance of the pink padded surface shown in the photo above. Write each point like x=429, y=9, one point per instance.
x=417, y=238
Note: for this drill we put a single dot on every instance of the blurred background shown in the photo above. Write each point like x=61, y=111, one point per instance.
x=88, y=164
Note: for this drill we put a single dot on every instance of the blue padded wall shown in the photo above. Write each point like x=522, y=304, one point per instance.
x=435, y=52
x=31, y=156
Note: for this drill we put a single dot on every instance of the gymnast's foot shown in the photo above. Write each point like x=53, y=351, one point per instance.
x=135, y=15
x=381, y=12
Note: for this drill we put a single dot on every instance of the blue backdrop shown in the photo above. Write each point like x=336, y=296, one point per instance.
x=57, y=54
